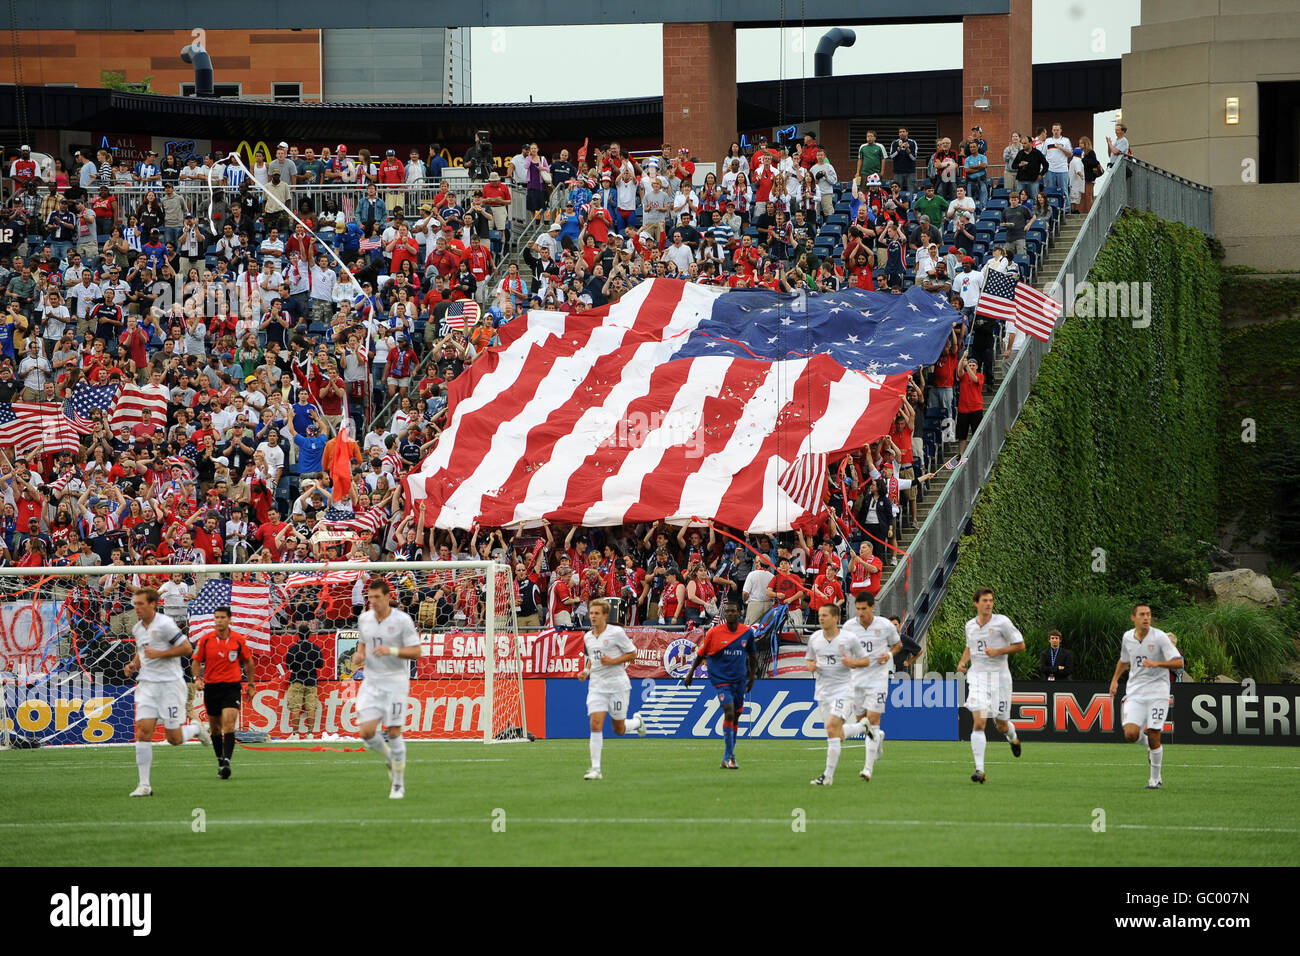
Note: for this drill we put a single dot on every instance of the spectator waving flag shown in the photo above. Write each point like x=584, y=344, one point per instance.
x=85, y=399
x=371, y=244
x=460, y=316
x=134, y=400
x=1010, y=299
x=679, y=402
x=250, y=611
x=26, y=425
x=365, y=523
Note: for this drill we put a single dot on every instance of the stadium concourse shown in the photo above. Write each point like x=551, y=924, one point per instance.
x=182, y=347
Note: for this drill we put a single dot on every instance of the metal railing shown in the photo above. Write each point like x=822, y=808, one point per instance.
x=1130, y=184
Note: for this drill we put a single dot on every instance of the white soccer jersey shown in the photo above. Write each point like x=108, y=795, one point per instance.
x=998, y=633
x=1147, y=681
x=875, y=640
x=834, y=677
x=161, y=634
x=395, y=631
x=613, y=642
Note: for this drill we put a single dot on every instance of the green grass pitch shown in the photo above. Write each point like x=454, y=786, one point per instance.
x=661, y=802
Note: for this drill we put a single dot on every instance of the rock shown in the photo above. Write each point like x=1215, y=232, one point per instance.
x=1223, y=679
x=1220, y=560
x=1243, y=585
x=1196, y=590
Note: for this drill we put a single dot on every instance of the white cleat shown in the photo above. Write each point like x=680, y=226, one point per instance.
x=822, y=780
x=592, y=774
x=1151, y=785
x=205, y=735
x=144, y=790
x=292, y=737
x=640, y=726
x=397, y=793
x=865, y=775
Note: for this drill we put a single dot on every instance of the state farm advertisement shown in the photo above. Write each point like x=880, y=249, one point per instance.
x=435, y=710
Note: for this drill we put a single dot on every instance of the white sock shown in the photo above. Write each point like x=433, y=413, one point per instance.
x=377, y=744
x=977, y=742
x=1011, y=733
x=632, y=723
x=1157, y=758
x=189, y=732
x=397, y=753
x=143, y=760
x=833, y=746
x=854, y=730
x=597, y=739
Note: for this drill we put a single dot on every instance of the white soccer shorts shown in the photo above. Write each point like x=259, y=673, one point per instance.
x=841, y=707
x=989, y=693
x=871, y=695
x=385, y=704
x=1149, y=713
x=612, y=702
x=161, y=700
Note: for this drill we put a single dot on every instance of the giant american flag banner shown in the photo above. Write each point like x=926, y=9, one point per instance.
x=679, y=401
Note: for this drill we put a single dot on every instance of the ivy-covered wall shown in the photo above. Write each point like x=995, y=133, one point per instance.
x=1114, y=451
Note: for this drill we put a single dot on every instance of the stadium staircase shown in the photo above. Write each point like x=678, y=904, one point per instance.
x=944, y=511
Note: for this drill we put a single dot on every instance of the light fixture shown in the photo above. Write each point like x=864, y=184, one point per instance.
x=1233, y=116
x=982, y=103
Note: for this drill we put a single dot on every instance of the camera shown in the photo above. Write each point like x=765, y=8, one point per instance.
x=483, y=136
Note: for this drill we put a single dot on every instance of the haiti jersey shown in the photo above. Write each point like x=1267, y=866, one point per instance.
x=728, y=652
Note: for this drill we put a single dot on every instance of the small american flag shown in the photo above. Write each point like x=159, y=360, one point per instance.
x=250, y=612
x=460, y=315
x=304, y=579
x=367, y=522
x=136, y=399
x=805, y=482
x=371, y=244
x=1008, y=298
x=953, y=463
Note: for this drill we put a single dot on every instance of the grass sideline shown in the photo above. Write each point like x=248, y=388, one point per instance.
x=661, y=802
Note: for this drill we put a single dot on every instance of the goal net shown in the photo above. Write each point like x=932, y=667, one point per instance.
x=65, y=642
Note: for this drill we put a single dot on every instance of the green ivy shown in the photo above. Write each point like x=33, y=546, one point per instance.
x=1256, y=295
x=1115, y=448
x=1260, y=385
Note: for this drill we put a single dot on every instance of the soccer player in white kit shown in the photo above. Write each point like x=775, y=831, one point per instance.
x=832, y=655
x=880, y=641
x=990, y=640
x=1151, y=655
x=609, y=651
x=389, y=637
x=160, y=690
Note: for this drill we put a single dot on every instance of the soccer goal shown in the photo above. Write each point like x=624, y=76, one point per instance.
x=66, y=641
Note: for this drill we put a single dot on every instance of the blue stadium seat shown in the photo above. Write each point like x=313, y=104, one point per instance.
x=832, y=229
x=1025, y=264
x=1056, y=200
x=1000, y=237
x=1001, y=193
x=979, y=250
x=839, y=219
x=1035, y=245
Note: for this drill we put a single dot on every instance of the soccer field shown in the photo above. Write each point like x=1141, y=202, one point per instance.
x=661, y=802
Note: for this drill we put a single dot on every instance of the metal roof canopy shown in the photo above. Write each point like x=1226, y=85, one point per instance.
x=332, y=14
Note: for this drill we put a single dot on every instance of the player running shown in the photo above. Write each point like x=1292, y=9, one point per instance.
x=990, y=640
x=832, y=654
x=1151, y=654
x=388, y=635
x=225, y=659
x=726, y=645
x=160, y=690
x=880, y=641
x=609, y=651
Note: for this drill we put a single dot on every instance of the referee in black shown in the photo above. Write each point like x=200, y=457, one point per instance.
x=221, y=662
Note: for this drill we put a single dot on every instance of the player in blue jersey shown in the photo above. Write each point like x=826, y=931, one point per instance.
x=733, y=665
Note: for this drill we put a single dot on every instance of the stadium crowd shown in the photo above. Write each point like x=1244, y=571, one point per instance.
x=220, y=283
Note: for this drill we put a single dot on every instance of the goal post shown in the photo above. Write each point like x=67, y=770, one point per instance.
x=70, y=627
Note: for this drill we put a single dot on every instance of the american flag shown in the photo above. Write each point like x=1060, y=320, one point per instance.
x=547, y=644
x=28, y=424
x=366, y=522
x=250, y=612
x=805, y=482
x=953, y=463
x=371, y=244
x=460, y=315
x=135, y=399
x=84, y=400
x=1008, y=298
x=679, y=402
x=303, y=579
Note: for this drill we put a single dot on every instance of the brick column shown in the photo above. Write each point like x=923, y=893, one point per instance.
x=700, y=87
x=997, y=52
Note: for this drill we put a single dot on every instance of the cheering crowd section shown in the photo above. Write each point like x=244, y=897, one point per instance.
x=222, y=384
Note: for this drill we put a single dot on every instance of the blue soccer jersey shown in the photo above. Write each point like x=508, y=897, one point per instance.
x=728, y=652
